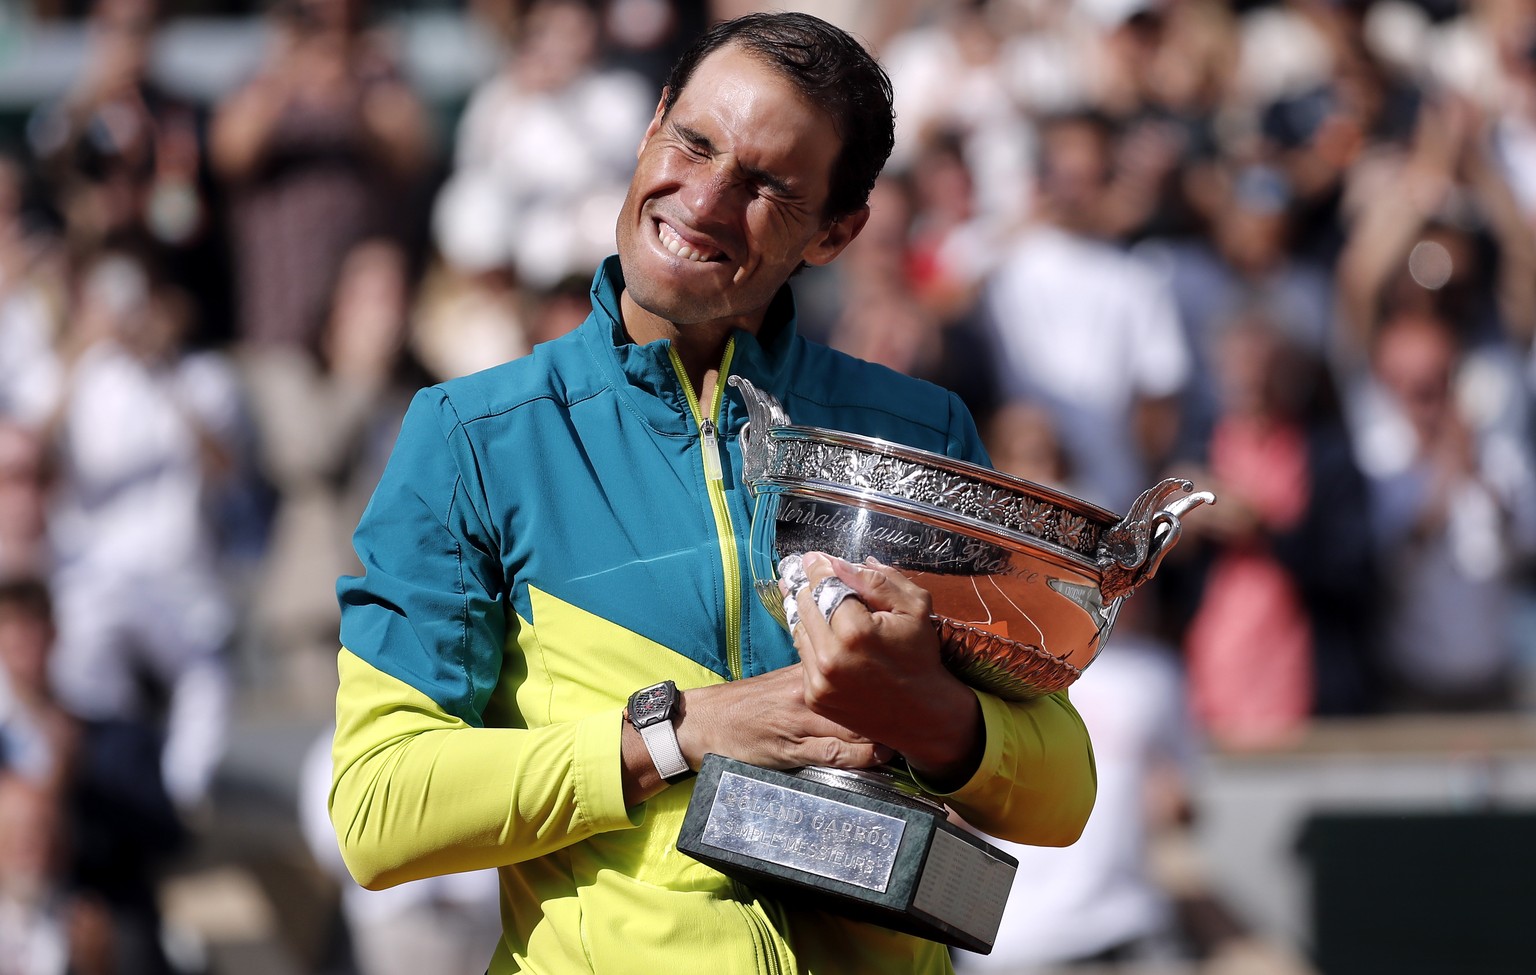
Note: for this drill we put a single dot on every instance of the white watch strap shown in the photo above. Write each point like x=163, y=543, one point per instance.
x=661, y=741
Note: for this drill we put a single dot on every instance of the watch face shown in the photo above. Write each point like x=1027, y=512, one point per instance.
x=652, y=704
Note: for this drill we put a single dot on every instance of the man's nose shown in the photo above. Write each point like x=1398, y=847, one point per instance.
x=713, y=195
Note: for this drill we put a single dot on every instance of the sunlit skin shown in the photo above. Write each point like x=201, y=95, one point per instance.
x=738, y=173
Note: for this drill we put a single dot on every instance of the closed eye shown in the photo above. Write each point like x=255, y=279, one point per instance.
x=776, y=187
x=696, y=143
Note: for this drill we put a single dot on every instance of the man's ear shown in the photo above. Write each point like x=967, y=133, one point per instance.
x=836, y=235
x=650, y=130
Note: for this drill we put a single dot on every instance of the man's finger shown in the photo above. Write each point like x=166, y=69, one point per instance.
x=824, y=597
x=836, y=753
x=881, y=587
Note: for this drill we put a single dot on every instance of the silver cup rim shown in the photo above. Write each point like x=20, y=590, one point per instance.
x=946, y=463
x=979, y=502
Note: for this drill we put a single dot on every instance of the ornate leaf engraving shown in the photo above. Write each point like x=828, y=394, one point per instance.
x=1038, y=517
x=997, y=504
x=1071, y=529
x=862, y=468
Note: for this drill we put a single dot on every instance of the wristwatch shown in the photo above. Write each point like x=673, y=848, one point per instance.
x=651, y=710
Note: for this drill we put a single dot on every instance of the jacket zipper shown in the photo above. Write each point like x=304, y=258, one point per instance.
x=708, y=420
x=763, y=931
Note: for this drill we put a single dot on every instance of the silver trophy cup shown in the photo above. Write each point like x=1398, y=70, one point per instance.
x=1026, y=585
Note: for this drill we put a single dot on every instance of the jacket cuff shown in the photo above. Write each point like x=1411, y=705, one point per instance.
x=600, y=773
x=994, y=716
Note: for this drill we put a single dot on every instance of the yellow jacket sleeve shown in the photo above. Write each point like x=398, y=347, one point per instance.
x=1036, y=782
x=417, y=792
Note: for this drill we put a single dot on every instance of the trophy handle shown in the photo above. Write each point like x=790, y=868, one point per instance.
x=764, y=411
x=1131, y=552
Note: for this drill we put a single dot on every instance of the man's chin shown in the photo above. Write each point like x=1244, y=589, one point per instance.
x=679, y=306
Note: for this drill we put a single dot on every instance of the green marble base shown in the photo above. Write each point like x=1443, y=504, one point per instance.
x=880, y=859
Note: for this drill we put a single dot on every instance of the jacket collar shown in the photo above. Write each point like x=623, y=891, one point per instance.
x=643, y=374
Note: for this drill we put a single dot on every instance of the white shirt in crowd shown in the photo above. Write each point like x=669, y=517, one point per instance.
x=1086, y=330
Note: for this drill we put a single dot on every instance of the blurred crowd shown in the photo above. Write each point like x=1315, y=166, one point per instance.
x=1286, y=248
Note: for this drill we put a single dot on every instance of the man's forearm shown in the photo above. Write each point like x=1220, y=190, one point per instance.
x=418, y=793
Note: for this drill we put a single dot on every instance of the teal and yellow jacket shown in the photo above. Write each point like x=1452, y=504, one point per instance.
x=551, y=535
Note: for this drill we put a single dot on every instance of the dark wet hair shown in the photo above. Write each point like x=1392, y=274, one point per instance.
x=834, y=71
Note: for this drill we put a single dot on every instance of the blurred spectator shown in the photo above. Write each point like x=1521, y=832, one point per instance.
x=1515, y=132
x=38, y=739
x=1051, y=54
x=45, y=927
x=1440, y=245
x=949, y=77
x=446, y=925
x=646, y=36
x=23, y=502
x=142, y=431
x=883, y=322
x=1282, y=52
x=127, y=160
x=1488, y=54
x=1440, y=232
x=29, y=288
x=92, y=865
x=1455, y=511
x=560, y=309
x=1021, y=440
x=325, y=426
x=470, y=313
x=1086, y=330
x=543, y=154
x=1278, y=629
x=322, y=148
x=1242, y=262
x=1164, y=74
x=952, y=245
x=900, y=308
x=542, y=158
x=462, y=324
x=123, y=832
x=1326, y=134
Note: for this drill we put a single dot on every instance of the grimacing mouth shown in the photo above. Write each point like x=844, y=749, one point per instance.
x=675, y=244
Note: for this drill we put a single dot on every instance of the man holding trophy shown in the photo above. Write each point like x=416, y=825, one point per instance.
x=557, y=620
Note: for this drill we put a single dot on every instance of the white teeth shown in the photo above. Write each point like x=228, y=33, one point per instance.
x=675, y=245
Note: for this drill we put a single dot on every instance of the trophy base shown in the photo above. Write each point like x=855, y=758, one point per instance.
x=890, y=860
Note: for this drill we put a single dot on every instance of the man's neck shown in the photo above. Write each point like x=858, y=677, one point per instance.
x=699, y=347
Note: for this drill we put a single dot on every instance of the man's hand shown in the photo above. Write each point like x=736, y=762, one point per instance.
x=765, y=721
x=875, y=668
x=869, y=685
x=761, y=720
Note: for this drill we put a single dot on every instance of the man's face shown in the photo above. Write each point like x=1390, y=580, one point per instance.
x=1416, y=360
x=728, y=195
x=24, y=644
x=1077, y=170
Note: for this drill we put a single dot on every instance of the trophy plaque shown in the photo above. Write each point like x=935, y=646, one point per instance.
x=1026, y=584
x=860, y=848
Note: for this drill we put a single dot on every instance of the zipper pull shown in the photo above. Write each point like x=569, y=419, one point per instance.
x=712, y=470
